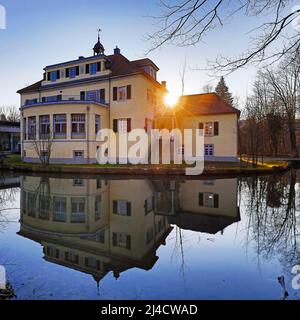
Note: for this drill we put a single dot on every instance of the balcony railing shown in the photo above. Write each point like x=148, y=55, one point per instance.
x=64, y=98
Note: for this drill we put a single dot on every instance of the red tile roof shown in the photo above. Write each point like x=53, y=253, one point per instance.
x=206, y=104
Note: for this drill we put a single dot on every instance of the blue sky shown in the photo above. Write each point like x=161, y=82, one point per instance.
x=41, y=33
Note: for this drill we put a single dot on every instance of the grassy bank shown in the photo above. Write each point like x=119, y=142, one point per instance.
x=14, y=162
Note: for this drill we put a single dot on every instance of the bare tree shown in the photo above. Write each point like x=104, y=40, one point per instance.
x=285, y=85
x=182, y=74
x=187, y=22
x=42, y=144
x=10, y=113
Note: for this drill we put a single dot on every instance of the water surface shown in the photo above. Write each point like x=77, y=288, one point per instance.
x=115, y=238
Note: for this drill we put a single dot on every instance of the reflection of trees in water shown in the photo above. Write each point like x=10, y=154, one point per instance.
x=273, y=219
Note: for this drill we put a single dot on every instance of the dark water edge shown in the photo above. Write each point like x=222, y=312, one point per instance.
x=109, y=237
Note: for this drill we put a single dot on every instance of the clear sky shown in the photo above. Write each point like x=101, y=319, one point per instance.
x=41, y=33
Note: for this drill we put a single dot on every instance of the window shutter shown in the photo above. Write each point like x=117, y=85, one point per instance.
x=216, y=201
x=128, y=211
x=216, y=128
x=102, y=95
x=115, y=93
x=201, y=198
x=128, y=125
x=82, y=95
x=77, y=70
x=87, y=68
x=201, y=126
x=145, y=206
x=48, y=250
x=115, y=125
x=48, y=76
x=67, y=73
x=57, y=253
x=86, y=261
x=115, y=204
x=77, y=259
x=128, y=242
x=98, y=66
x=128, y=92
x=58, y=74
x=146, y=122
x=114, y=239
x=66, y=255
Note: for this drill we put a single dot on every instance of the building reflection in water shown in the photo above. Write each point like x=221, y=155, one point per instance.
x=98, y=225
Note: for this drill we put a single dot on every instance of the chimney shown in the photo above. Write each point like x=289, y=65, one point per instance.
x=117, y=50
x=164, y=84
x=81, y=57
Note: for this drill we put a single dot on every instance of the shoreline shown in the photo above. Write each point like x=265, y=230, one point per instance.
x=217, y=169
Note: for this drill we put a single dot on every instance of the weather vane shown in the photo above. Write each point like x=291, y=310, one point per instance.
x=99, y=30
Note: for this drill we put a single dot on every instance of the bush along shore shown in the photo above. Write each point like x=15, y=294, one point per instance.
x=14, y=163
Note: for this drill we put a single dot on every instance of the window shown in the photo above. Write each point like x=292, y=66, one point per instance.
x=52, y=98
x=71, y=256
x=121, y=239
x=72, y=72
x=78, y=210
x=93, y=95
x=208, y=200
x=44, y=127
x=98, y=183
x=122, y=207
x=97, y=123
x=100, y=236
x=149, y=205
x=59, y=209
x=208, y=129
x=122, y=93
x=92, y=262
x=30, y=102
x=97, y=208
x=60, y=126
x=78, y=125
x=122, y=125
x=52, y=252
x=149, y=235
x=93, y=68
x=209, y=150
x=54, y=76
x=209, y=182
x=31, y=128
x=31, y=204
x=78, y=154
x=78, y=182
x=44, y=206
x=148, y=125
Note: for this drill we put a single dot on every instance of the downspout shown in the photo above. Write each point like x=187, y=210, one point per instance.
x=88, y=133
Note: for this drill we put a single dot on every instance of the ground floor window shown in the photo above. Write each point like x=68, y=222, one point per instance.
x=121, y=239
x=209, y=150
x=78, y=126
x=59, y=209
x=60, y=126
x=208, y=200
x=31, y=128
x=78, y=210
x=78, y=154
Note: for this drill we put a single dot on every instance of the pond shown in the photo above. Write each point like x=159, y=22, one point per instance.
x=109, y=237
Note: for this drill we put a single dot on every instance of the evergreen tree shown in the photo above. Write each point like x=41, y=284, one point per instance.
x=223, y=91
